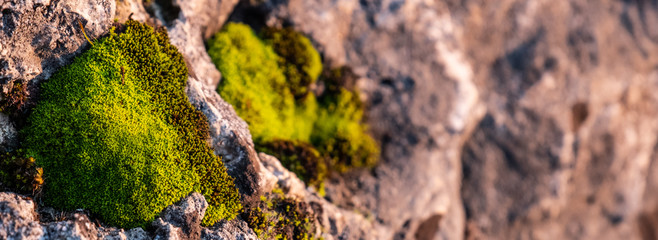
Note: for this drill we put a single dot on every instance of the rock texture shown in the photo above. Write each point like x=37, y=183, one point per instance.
x=183, y=221
x=17, y=218
x=38, y=37
x=565, y=149
x=254, y=174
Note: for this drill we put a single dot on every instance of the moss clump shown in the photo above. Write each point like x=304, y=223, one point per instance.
x=299, y=157
x=339, y=131
x=116, y=134
x=19, y=173
x=298, y=60
x=255, y=85
x=279, y=217
x=268, y=81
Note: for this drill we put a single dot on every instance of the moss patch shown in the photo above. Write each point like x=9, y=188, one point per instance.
x=116, y=134
x=339, y=132
x=279, y=217
x=298, y=60
x=268, y=82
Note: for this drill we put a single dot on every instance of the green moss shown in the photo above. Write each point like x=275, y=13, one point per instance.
x=280, y=217
x=268, y=83
x=116, y=134
x=19, y=173
x=339, y=131
x=298, y=60
x=255, y=85
x=299, y=157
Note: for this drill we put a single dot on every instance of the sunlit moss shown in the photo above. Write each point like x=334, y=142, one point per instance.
x=268, y=82
x=115, y=133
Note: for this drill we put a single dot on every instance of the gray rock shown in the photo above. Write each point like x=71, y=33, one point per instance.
x=77, y=229
x=17, y=218
x=280, y=177
x=208, y=15
x=235, y=229
x=120, y=234
x=230, y=138
x=182, y=220
x=332, y=222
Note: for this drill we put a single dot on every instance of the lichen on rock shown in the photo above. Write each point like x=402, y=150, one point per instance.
x=115, y=133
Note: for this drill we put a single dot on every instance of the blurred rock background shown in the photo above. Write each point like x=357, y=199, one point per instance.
x=500, y=119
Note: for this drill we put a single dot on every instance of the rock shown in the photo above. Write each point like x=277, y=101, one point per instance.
x=230, y=135
x=208, y=15
x=550, y=108
x=280, y=177
x=132, y=9
x=7, y=132
x=183, y=219
x=235, y=229
x=230, y=138
x=78, y=228
x=17, y=218
x=566, y=148
x=120, y=234
x=38, y=37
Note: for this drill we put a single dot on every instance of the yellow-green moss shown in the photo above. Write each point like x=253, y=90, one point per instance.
x=339, y=131
x=268, y=82
x=115, y=133
x=255, y=85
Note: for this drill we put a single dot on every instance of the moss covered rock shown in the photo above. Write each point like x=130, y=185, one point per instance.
x=115, y=133
x=268, y=81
